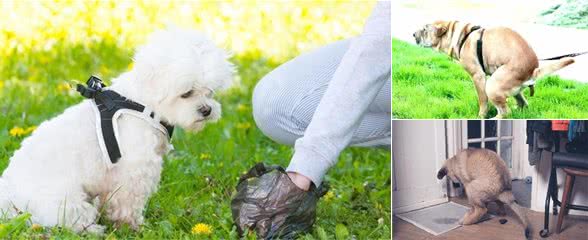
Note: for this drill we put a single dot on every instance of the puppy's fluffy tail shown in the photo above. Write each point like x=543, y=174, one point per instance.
x=442, y=172
x=550, y=68
x=508, y=198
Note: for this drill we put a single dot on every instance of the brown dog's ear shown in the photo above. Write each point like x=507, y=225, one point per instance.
x=442, y=172
x=440, y=30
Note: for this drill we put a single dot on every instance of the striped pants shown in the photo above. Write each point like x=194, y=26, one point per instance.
x=285, y=100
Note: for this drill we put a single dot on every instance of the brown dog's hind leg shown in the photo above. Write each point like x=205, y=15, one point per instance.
x=474, y=216
x=478, y=208
x=496, y=91
x=521, y=101
x=500, y=104
x=480, y=83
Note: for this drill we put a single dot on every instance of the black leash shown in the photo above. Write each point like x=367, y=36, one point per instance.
x=563, y=56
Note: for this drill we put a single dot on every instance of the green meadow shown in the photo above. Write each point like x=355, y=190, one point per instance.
x=47, y=47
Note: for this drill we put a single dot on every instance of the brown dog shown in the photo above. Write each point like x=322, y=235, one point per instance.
x=485, y=178
x=506, y=57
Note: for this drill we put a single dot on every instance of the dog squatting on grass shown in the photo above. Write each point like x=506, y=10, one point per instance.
x=500, y=61
x=423, y=78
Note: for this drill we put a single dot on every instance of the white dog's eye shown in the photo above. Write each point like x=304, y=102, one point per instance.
x=187, y=94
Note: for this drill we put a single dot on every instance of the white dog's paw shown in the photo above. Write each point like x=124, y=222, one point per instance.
x=95, y=229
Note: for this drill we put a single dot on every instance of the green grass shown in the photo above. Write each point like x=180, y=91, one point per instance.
x=200, y=176
x=571, y=13
x=428, y=84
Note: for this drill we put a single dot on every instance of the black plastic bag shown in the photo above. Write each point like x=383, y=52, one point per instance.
x=269, y=203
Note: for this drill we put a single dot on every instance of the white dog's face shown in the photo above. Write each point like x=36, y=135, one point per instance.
x=179, y=72
x=191, y=108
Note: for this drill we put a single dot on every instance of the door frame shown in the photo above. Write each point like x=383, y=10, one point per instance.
x=457, y=140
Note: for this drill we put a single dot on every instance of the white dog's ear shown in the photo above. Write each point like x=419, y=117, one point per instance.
x=145, y=76
x=231, y=71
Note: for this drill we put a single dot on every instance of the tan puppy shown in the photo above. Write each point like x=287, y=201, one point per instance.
x=485, y=178
x=507, y=58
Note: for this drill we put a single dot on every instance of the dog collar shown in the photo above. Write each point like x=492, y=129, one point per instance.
x=110, y=106
x=474, y=28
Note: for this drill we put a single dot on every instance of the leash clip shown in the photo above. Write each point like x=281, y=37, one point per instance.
x=95, y=86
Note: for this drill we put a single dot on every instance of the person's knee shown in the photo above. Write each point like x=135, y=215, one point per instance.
x=271, y=104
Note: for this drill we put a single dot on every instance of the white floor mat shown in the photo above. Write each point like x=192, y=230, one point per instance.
x=437, y=219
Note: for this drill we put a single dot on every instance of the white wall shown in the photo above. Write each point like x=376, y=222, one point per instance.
x=418, y=151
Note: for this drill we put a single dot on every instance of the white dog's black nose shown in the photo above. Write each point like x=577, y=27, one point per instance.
x=205, y=110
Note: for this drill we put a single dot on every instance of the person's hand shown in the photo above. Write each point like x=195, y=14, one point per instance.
x=271, y=204
x=300, y=180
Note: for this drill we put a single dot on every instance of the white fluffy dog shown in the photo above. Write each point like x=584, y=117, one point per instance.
x=60, y=170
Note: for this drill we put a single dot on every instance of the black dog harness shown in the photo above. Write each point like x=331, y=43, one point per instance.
x=108, y=103
x=478, y=46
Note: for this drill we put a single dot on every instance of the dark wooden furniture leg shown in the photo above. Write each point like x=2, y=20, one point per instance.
x=570, y=178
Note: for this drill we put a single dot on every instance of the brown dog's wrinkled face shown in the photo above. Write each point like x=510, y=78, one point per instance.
x=430, y=35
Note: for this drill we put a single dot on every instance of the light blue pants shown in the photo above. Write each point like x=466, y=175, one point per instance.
x=284, y=100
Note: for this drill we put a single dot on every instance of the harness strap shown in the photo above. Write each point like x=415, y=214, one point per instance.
x=479, y=51
x=108, y=103
x=474, y=28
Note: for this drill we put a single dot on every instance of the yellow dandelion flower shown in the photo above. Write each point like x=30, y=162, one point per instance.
x=30, y=129
x=17, y=132
x=130, y=66
x=202, y=228
x=1, y=84
x=244, y=125
x=242, y=108
x=204, y=156
x=44, y=59
x=329, y=196
x=63, y=87
x=36, y=227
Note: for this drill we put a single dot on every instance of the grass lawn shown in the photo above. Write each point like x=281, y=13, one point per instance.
x=200, y=176
x=428, y=84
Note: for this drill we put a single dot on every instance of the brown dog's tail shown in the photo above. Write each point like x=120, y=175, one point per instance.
x=442, y=172
x=550, y=68
x=508, y=198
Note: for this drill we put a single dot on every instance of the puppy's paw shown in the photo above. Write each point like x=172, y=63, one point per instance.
x=132, y=223
x=95, y=229
x=133, y=226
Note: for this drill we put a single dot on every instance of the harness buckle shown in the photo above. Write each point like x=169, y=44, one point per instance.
x=94, y=86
